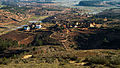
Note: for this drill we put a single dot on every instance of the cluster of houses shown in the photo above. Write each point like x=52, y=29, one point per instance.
x=33, y=25
x=92, y=25
x=73, y=25
x=81, y=24
x=74, y=21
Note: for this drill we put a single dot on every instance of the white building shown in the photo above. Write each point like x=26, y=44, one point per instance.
x=38, y=26
x=26, y=28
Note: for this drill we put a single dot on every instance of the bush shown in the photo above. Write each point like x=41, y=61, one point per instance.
x=110, y=60
x=98, y=60
x=115, y=60
x=5, y=43
x=98, y=66
x=4, y=61
x=38, y=41
x=50, y=60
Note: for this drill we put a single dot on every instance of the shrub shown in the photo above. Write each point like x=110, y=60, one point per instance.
x=5, y=43
x=115, y=60
x=98, y=60
x=4, y=61
x=38, y=41
x=34, y=49
x=98, y=66
x=24, y=61
x=104, y=60
x=50, y=60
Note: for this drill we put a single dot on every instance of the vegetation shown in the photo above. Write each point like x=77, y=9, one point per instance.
x=109, y=60
x=2, y=6
x=97, y=3
x=90, y=3
x=17, y=9
x=51, y=9
x=38, y=41
x=4, y=44
x=113, y=13
x=61, y=47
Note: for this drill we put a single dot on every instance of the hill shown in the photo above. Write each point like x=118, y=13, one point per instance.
x=110, y=13
x=14, y=2
x=100, y=3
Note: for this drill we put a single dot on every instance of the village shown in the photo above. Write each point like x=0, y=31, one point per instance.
x=61, y=22
x=37, y=34
x=61, y=26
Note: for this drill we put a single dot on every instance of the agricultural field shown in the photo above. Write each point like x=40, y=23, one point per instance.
x=39, y=18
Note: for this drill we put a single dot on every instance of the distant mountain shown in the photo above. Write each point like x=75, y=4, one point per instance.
x=100, y=3
x=26, y=0
x=14, y=2
x=113, y=13
x=9, y=2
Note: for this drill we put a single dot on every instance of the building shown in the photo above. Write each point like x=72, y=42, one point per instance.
x=32, y=26
x=105, y=19
x=92, y=25
x=98, y=25
x=75, y=26
x=27, y=28
x=38, y=26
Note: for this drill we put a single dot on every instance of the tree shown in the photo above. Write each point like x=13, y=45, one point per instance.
x=38, y=41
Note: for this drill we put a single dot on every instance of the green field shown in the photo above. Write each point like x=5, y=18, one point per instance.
x=38, y=18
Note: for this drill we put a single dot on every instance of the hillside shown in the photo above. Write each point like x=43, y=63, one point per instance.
x=10, y=14
x=8, y=17
x=14, y=2
x=100, y=3
x=41, y=34
x=110, y=13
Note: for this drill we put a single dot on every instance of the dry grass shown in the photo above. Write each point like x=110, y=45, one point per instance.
x=57, y=57
x=41, y=65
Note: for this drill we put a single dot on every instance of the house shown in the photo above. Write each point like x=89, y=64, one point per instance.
x=71, y=26
x=32, y=26
x=105, y=19
x=68, y=31
x=92, y=25
x=75, y=26
x=38, y=26
x=98, y=25
x=64, y=26
x=27, y=28
x=77, y=23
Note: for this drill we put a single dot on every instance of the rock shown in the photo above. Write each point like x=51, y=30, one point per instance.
x=27, y=56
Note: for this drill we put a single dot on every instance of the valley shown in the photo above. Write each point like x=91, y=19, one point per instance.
x=58, y=34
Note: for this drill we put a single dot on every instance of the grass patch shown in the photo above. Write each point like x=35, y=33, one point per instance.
x=38, y=17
